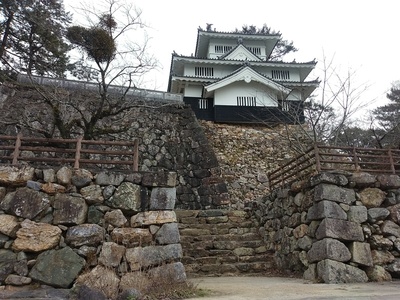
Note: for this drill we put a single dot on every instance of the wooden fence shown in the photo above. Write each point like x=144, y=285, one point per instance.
x=321, y=158
x=76, y=152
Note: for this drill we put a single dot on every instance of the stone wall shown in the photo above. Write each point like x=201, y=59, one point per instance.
x=217, y=242
x=336, y=227
x=246, y=153
x=65, y=227
x=170, y=139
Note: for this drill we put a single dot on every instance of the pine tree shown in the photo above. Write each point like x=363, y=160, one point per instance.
x=388, y=119
x=33, y=36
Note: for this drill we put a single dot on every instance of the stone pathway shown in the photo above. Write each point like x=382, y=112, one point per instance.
x=278, y=288
x=37, y=294
x=253, y=288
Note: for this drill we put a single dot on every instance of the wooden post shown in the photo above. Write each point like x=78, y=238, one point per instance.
x=391, y=161
x=317, y=158
x=357, y=168
x=136, y=155
x=16, y=150
x=78, y=152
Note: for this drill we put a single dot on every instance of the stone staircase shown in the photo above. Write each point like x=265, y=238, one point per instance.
x=222, y=242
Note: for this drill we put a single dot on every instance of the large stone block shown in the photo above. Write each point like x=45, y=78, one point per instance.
x=126, y=197
x=144, y=257
x=357, y=214
x=328, y=249
x=58, y=268
x=395, y=213
x=372, y=197
x=85, y=234
x=7, y=261
x=340, y=229
x=363, y=179
x=361, y=254
x=378, y=273
x=174, y=272
x=336, y=179
x=163, y=199
x=394, y=267
x=326, y=209
x=161, y=179
x=64, y=175
x=334, y=193
x=389, y=181
x=36, y=237
x=390, y=228
x=111, y=254
x=69, y=210
x=109, y=178
x=330, y=271
x=93, y=194
x=28, y=204
x=377, y=214
x=382, y=257
x=10, y=175
x=9, y=225
x=132, y=237
x=168, y=234
x=153, y=218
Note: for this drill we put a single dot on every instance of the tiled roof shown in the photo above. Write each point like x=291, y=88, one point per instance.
x=262, y=61
x=240, y=33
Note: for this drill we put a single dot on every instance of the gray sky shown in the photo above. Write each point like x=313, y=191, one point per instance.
x=360, y=34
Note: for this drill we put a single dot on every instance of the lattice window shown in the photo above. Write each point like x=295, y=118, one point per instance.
x=246, y=101
x=203, y=103
x=281, y=74
x=204, y=71
x=255, y=50
x=222, y=49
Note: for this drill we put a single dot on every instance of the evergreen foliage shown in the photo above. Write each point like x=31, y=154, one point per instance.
x=32, y=37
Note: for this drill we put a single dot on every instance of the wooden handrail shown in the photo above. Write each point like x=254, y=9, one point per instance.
x=320, y=158
x=69, y=151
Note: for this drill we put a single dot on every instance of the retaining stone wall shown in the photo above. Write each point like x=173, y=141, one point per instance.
x=170, y=139
x=217, y=242
x=65, y=227
x=336, y=228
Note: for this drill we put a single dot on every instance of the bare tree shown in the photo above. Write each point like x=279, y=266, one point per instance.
x=108, y=46
x=329, y=111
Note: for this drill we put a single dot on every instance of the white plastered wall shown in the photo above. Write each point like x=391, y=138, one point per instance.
x=228, y=95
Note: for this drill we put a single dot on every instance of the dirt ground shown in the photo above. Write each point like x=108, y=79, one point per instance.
x=274, y=288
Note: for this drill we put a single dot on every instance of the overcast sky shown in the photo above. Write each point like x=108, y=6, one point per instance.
x=363, y=35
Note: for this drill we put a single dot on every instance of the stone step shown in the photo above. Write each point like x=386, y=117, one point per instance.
x=232, y=269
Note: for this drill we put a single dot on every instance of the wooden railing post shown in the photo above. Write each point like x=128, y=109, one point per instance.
x=392, y=167
x=136, y=156
x=317, y=158
x=78, y=152
x=16, y=149
x=355, y=157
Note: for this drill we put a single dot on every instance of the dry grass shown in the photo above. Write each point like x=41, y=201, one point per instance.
x=151, y=285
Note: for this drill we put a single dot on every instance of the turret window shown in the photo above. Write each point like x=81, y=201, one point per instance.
x=203, y=103
x=280, y=74
x=255, y=50
x=204, y=71
x=222, y=49
x=246, y=101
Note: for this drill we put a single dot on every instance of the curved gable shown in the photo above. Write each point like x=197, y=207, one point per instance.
x=241, y=53
x=247, y=74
